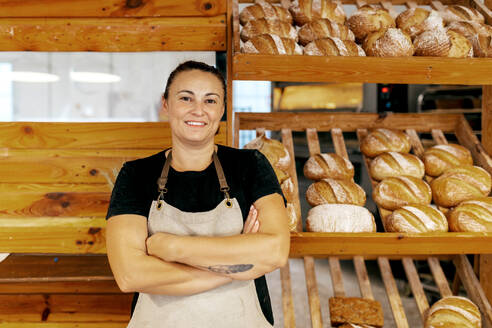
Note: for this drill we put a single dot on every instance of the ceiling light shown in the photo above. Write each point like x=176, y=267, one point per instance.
x=32, y=77
x=94, y=77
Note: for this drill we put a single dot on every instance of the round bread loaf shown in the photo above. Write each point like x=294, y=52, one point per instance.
x=331, y=191
x=442, y=43
x=323, y=28
x=416, y=20
x=333, y=47
x=322, y=166
x=390, y=42
x=480, y=36
x=340, y=218
x=453, y=311
x=416, y=219
x=271, y=44
x=441, y=157
x=274, y=150
x=305, y=11
x=292, y=215
x=458, y=184
x=288, y=189
x=268, y=26
x=395, y=192
x=393, y=164
x=474, y=215
x=461, y=13
x=384, y=140
x=263, y=9
x=367, y=20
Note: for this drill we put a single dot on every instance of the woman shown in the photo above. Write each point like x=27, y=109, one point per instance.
x=193, y=229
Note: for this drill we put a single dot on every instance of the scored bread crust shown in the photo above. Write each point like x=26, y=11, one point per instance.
x=453, y=311
x=321, y=166
x=461, y=13
x=442, y=43
x=393, y=164
x=390, y=42
x=474, y=215
x=333, y=47
x=414, y=21
x=395, y=192
x=271, y=44
x=263, y=9
x=439, y=158
x=416, y=219
x=331, y=191
x=305, y=11
x=323, y=28
x=268, y=26
x=274, y=151
x=367, y=20
x=480, y=36
x=384, y=140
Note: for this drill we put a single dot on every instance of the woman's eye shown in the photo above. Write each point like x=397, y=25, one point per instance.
x=211, y=101
x=184, y=98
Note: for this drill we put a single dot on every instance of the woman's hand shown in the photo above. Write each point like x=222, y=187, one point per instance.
x=252, y=225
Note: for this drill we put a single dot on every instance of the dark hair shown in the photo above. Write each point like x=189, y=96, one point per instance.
x=192, y=65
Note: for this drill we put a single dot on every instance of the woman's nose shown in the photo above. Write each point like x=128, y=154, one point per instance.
x=198, y=108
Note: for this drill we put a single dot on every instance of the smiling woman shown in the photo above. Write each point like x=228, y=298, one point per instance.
x=188, y=227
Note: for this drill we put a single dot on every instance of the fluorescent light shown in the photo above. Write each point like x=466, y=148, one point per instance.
x=32, y=77
x=94, y=77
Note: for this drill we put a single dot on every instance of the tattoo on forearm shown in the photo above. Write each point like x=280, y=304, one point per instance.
x=235, y=268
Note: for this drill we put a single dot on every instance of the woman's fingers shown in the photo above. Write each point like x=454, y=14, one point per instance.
x=251, y=220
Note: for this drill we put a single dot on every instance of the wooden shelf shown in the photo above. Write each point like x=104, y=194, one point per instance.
x=412, y=70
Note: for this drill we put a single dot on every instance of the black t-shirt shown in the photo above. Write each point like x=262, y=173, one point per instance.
x=248, y=174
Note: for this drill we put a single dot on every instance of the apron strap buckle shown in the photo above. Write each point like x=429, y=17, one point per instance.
x=225, y=190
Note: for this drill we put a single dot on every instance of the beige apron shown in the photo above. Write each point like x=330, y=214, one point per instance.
x=232, y=305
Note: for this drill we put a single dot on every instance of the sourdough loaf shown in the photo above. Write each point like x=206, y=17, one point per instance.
x=331, y=165
x=453, y=311
x=333, y=47
x=389, y=42
x=271, y=44
x=368, y=19
x=323, y=28
x=473, y=215
x=274, y=150
x=480, y=36
x=395, y=192
x=305, y=11
x=416, y=20
x=384, y=140
x=340, y=218
x=441, y=157
x=263, y=9
x=268, y=26
x=442, y=43
x=331, y=191
x=393, y=164
x=416, y=219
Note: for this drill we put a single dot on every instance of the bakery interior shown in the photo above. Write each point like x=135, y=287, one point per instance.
x=56, y=274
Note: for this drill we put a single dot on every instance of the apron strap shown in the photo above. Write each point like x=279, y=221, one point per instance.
x=224, y=187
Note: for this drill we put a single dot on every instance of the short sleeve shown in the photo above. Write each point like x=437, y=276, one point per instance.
x=262, y=179
x=126, y=197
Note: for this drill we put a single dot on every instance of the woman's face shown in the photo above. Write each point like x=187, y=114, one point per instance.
x=195, y=105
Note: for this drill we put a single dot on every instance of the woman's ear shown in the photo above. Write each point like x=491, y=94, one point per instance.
x=164, y=108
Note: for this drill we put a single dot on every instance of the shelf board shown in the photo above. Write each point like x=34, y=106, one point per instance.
x=389, y=243
x=411, y=70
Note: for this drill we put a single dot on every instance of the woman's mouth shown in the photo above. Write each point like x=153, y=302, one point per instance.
x=195, y=123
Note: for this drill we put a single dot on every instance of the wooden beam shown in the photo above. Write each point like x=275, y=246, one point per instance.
x=95, y=136
x=64, y=287
x=111, y=8
x=347, y=121
x=352, y=2
x=113, y=34
x=24, y=324
x=486, y=260
x=418, y=70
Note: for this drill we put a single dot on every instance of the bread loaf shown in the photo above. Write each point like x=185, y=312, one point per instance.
x=323, y=28
x=480, y=36
x=333, y=47
x=393, y=193
x=351, y=325
x=458, y=184
x=274, y=150
x=367, y=20
x=288, y=189
x=441, y=157
x=384, y=140
x=474, y=215
x=461, y=13
x=416, y=20
x=355, y=310
x=322, y=166
x=331, y=191
x=271, y=44
x=393, y=164
x=442, y=43
x=263, y=9
x=292, y=215
x=416, y=219
x=268, y=26
x=453, y=311
x=390, y=42
x=340, y=218
x=305, y=11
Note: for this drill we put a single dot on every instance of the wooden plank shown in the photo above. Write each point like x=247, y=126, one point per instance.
x=111, y=8
x=439, y=137
x=416, y=286
x=467, y=138
x=351, y=2
x=388, y=243
x=229, y=85
x=486, y=275
x=56, y=152
x=46, y=135
x=65, y=307
x=60, y=287
x=289, y=144
x=336, y=277
x=487, y=118
x=417, y=147
x=236, y=45
x=107, y=324
x=473, y=288
x=287, y=300
x=113, y=34
x=312, y=291
x=339, y=143
x=418, y=70
x=439, y=277
x=53, y=235
x=363, y=277
x=347, y=121
x=392, y=292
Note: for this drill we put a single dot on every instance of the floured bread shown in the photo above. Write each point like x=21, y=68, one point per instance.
x=383, y=140
x=323, y=28
x=274, y=150
x=480, y=36
x=368, y=19
x=268, y=26
x=442, y=43
x=441, y=157
x=305, y=11
x=393, y=164
x=461, y=13
x=390, y=42
x=333, y=47
x=340, y=218
x=331, y=191
x=393, y=193
x=271, y=44
x=453, y=312
x=331, y=165
x=474, y=215
x=263, y=9
x=416, y=219
x=414, y=21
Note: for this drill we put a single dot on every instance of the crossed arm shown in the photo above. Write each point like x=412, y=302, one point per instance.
x=182, y=265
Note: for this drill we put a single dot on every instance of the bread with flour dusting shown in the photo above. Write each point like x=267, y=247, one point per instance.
x=268, y=26
x=480, y=36
x=442, y=43
x=368, y=19
x=393, y=164
x=390, y=42
x=333, y=47
x=274, y=151
x=323, y=28
x=414, y=21
x=384, y=140
x=329, y=165
x=453, y=311
x=416, y=219
x=305, y=11
x=395, y=192
x=441, y=157
x=271, y=44
x=340, y=218
x=474, y=215
x=263, y=9
x=331, y=191
x=456, y=13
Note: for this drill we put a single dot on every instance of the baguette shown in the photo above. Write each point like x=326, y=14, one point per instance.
x=393, y=193
x=263, y=9
x=393, y=164
x=441, y=157
x=305, y=11
x=331, y=191
x=384, y=140
x=474, y=215
x=416, y=219
x=340, y=218
x=453, y=311
x=322, y=166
